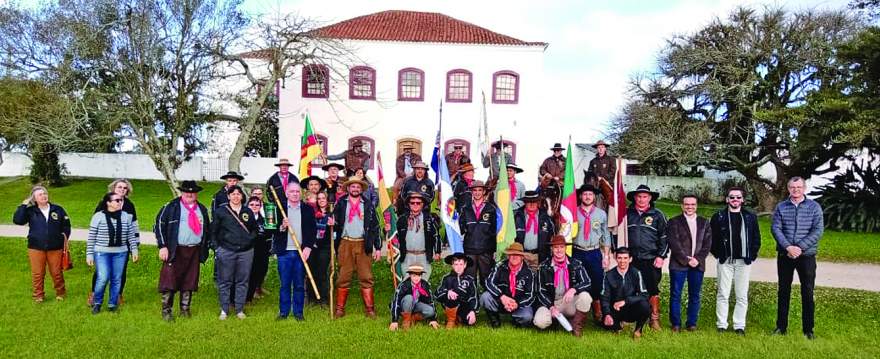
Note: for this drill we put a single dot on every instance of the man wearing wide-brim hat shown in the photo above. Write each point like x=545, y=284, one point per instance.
x=534, y=228
x=413, y=301
x=183, y=233
x=592, y=243
x=312, y=186
x=456, y=158
x=418, y=235
x=357, y=238
x=353, y=158
x=279, y=181
x=603, y=165
x=646, y=236
x=333, y=181
x=478, y=221
x=417, y=183
x=563, y=286
x=220, y=198
x=461, y=184
x=457, y=292
x=404, y=166
x=554, y=165
x=517, y=188
x=510, y=289
x=491, y=161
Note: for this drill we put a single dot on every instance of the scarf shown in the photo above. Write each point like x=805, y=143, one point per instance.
x=468, y=181
x=561, y=273
x=478, y=208
x=512, y=279
x=414, y=221
x=532, y=222
x=192, y=218
x=115, y=234
x=354, y=208
x=587, y=226
x=417, y=291
x=283, y=177
x=512, y=185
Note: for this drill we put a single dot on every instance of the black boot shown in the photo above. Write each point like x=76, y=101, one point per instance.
x=494, y=319
x=167, y=306
x=185, y=301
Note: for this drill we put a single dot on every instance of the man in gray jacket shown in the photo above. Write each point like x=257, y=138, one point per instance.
x=797, y=227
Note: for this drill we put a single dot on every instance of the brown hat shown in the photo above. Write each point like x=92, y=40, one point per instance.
x=415, y=269
x=355, y=179
x=515, y=249
x=595, y=145
x=336, y=165
x=465, y=167
x=420, y=164
x=477, y=183
x=357, y=143
x=559, y=240
x=283, y=162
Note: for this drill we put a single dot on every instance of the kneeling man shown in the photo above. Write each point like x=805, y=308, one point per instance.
x=624, y=297
x=412, y=301
x=563, y=287
x=510, y=288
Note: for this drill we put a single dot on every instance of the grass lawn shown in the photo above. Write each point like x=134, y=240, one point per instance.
x=81, y=195
x=848, y=321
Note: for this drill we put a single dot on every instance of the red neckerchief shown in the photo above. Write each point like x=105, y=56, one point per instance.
x=478, y=208
x=561, y=273
x=192, y=218
x=512, y=278
x=354, y=208
x=283, y=176
x=512, y=185
x=587, y=226
x=532, y=221
x=417, y=290
x=468, y=181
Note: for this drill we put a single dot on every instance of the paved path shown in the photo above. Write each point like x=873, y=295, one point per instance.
x=828, y=274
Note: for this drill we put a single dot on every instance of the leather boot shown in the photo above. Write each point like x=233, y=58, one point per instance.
x=417, y=317
x=577, y=324
x=597, y=311
x=655, y=312
x=494, y=319
x=407, y=320
x=341, y=297
x=369, y=308
x=91, y=299
x=185, y=301
x=451, y=317
x=167, y=306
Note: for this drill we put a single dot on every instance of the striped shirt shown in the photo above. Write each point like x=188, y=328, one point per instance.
x=99, y=235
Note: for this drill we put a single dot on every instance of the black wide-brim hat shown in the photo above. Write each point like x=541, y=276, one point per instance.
x=452, y=257
x=586, y=187
x=557, y=146
x=531, y=196
x=329, y=165
x=232, y=174
x=189, y=187
x=631, y=195
x=321, y=182
x=514, y=167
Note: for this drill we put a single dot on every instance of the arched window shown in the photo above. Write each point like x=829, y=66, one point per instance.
x=459, y=86
x=369, y=148
x=509, y=147
x=505, y=87
x=315, y=81
x=449, y=145
x=322, y=141
x=410, y=84
x=411, y=141
x=362, y=83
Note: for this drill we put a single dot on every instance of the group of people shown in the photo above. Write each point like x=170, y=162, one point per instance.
x=310, y=224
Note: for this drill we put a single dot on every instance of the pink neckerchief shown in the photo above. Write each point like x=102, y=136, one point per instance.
x=417, y=290
x=468, y=181
x=512, y=278
x=512, y=185
x=283, y=176
x=587, y=227
x=192, y=218
x=354, y=208
x=561, y=273
x=478, y=209
x=532, y=221
x=414, y=221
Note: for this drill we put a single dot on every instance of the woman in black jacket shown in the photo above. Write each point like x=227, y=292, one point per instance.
x=262, y=252
x=319, y=259
x=233, y=232
x=49, y=228
x=123, y=188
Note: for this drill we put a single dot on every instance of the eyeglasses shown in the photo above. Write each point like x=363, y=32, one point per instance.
x=734, y=197
x=117, y=200
x=412, y=203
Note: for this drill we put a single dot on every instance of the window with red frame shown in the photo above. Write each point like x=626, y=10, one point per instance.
x=505, y=87
x=362, y=83
x=315, y=81
x=458, y=86
x=410, y=85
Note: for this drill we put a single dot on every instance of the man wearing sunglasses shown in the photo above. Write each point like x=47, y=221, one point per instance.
x=736, y=240
x=418, y=236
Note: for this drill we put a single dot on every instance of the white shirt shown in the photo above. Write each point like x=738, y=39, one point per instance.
x=45, y=212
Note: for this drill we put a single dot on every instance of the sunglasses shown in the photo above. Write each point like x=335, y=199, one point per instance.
x=734, y=197
x=412, y=203
x=117, y=200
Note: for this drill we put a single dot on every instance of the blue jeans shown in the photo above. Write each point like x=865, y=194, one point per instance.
x=292, y=274
x=109, y=267
x=592, y=262
x=694, y=279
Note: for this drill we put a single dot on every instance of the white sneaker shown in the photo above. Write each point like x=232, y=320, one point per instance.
x=241, y=315
x=222, y=315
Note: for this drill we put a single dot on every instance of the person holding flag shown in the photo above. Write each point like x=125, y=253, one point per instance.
x=389, y=220
x=504, y=199
x=534, y=229
x=517, y=188
x=279, y=180
x=462, y=183
x=568, y=224
x=449, y=205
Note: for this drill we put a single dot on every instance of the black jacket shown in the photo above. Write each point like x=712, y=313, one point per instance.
x=498, y=283
x=425, y=187
x=461, y=192
x=275, y=182
x=42, y=234
x=721, y=246
x=577, y=279
x=220, y=198
x=629, y=288
x=372, y=241
x=323, y=234
x=308, y=226
x=464, y=285
x=546, y=230
x=479, y=233
x=405, y=288
x=228, y=232
x=647, y=233
x=432, y=236
x=168, y=224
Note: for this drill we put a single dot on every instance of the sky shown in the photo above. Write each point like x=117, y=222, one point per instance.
x=595, y=46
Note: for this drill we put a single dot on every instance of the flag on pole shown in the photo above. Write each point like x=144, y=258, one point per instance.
x=449, y=212
x=568, y=210
x=483, y=134
x=435, y=158
x=617, y=207
x=506, y=227
x=309, y=149
x=386, y=208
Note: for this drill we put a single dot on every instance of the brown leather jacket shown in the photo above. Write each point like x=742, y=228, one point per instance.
x=604, y=167
x=452, y=164
x=401, y=164
x=554, y=166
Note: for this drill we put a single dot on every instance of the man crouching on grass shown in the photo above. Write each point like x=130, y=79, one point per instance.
x=457, y=292
x=624, y=297
x=412, y=301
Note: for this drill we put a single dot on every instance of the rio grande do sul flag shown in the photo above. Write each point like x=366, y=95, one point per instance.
x=387, y=215
x=506, y=227
x=567, y=211
x=309, y=149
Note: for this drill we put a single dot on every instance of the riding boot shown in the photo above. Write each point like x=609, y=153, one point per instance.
x=369, y=308
x=451, y=317
x=655, y=312
x=494, y=319
x=577, y=324
x=167, y=306
x=341, y=296
x=407, y=320
x=185, y=301
x=597, y=311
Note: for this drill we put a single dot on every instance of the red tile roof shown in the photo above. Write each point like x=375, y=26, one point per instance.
x=413, y=26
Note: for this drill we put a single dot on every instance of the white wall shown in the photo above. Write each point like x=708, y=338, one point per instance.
x=386, y=120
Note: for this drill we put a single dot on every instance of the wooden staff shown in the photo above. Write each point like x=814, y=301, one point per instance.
x=296, y=243
x=332, y=262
